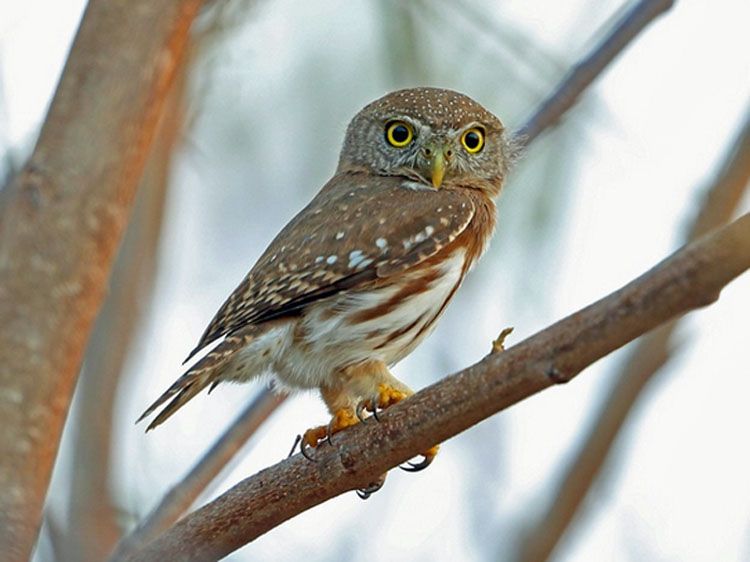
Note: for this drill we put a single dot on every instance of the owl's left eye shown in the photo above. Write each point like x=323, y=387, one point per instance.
x=398, y=133
x=473, y=140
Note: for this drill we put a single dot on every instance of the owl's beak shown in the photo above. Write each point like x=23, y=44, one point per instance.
x=437, y=157
x=437, y=168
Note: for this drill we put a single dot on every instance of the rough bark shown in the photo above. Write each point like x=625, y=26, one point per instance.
x=61, y=227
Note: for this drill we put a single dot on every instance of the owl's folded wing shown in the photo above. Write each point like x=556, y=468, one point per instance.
x=357, y=229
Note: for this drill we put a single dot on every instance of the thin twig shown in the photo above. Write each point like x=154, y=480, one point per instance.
x=561, y=100
x=63, y=221
x=651, y=352
x=693, y=277
x=587, y=70
x=183, y=494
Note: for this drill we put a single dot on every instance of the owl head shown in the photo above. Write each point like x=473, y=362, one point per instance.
x=431, y=136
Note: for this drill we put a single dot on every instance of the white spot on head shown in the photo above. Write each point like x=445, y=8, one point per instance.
x=339, y=235
x=381, y=243
x=331, y=259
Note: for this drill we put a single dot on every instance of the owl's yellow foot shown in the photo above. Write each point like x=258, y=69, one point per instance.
x=342, y=419
x=386, y=396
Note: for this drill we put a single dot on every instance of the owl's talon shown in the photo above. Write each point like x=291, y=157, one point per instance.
x=363, y=406
x=370, y=405
x=299, y=441
x=427, y=458
x=294, y=446
x=371, y=488
x=305, y=453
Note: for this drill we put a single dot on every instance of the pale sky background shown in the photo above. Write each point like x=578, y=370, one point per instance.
x=590, y=207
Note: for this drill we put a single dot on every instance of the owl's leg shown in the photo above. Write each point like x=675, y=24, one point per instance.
x=347, y=390
x=389, y=391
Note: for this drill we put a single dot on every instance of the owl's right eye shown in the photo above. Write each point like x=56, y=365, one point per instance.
x=398, y=133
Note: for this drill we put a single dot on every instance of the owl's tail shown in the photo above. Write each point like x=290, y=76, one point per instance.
x=207, y=371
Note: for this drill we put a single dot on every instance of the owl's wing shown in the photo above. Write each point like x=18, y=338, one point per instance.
x=358, y=229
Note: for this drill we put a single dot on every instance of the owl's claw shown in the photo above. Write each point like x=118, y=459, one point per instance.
x=365, y=493
x=370, y=405
x=427, y=458
x=361, y=408
x=299, y=441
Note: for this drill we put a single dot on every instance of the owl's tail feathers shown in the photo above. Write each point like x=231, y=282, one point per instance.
x=207, y=371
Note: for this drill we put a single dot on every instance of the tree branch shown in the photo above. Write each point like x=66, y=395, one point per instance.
x=92, y=526
x=63, y=221
x=646, y=359
x=692, y=277
x=587, y=70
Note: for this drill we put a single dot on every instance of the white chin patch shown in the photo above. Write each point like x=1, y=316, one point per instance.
x=417, y=185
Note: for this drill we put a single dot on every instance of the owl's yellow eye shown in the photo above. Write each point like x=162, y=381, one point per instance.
x=399, y=133
x=473, y=140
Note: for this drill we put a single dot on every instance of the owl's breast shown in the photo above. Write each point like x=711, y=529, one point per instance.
x=383, y=322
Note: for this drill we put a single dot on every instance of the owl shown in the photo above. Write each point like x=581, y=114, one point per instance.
x=363, y=273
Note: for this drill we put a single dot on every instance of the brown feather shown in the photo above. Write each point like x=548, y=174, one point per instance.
x=205, y=372
x=298, y=267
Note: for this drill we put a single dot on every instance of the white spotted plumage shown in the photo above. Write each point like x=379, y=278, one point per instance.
x=360, y=276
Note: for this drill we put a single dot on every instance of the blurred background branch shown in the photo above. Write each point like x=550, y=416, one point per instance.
x=645, y=361
x=64, y=218
x=93, y=521
x=587, y=70
x=691, y=278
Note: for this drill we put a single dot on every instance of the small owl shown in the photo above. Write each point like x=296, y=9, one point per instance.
x=362, y=274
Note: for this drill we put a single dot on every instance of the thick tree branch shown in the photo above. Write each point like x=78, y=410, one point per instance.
x=92, y=523
x=691, y=278
x=547, y=114
x=587, y=70
x=61, y=227
x=645, y=360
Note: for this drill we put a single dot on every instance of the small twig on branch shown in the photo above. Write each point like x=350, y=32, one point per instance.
x=560, y=101
x=63, y=221
x=587, y=70
x=693, y=277
x=651, y=352
x=179, y=499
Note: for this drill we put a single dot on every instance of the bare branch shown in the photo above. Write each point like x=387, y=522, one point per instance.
x=587, y=70
x=691, y=278
x=179, y=499
x=646, y=359
x=61, y=227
